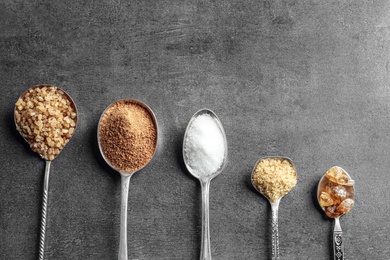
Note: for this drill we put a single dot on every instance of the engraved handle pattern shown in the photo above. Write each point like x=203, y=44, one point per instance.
x=338, y=245
x=275, y=230
x=42, y=237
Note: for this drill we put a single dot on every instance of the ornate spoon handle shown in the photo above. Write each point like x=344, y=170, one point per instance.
x=338, y=245
x=44, y=211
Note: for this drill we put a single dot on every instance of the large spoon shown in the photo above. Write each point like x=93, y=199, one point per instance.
x=335, y=194
x=205, y=156
x=32, y=109
x=134, y=115
x=274, y=177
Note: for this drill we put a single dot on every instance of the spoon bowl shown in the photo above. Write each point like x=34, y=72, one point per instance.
x=201, y=173
x=37, y=101
x=335, y=195
x=273, y=186
x=137, y=126
x=154, y=121
x=28, y=136
x=205, y=156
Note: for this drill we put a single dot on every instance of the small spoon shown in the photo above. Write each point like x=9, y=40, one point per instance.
x=274, y=202
x=125, y=176
x=205, y=178
x=48, y=161
x=347, y=191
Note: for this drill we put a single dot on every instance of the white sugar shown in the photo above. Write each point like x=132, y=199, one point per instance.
x=204, y=145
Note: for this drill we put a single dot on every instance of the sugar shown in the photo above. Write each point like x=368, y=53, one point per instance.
x=204, y=146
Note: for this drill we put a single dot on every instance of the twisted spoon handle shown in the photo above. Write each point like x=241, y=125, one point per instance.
x=338, y=245
x=275, y=230
x=44, y=211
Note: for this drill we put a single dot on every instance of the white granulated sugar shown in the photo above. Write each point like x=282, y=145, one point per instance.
x=204, y=146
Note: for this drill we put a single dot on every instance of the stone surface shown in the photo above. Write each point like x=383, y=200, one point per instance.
x=303, y=79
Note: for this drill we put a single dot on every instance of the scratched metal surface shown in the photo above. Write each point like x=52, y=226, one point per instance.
x=304, y=79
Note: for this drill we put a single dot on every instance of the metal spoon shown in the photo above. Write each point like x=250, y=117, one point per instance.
x=338, y=244
x=125, y=179
x=48, y=161
x=205, y=180
x=274, y=206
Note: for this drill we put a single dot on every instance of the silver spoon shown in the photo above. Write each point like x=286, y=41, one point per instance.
x=204, y=177
x=48, y=161
x=125, y=178
x=346, y=190
x=274, y=203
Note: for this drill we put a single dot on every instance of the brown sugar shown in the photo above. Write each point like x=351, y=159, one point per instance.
x=46, y=118
x=274, y=177
x=127, y=135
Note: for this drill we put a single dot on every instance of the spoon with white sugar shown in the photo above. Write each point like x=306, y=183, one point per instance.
x=205, y=156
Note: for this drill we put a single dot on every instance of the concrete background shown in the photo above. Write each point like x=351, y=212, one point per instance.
x=304, y=79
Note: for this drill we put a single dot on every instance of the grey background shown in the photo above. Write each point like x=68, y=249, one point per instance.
x=304, y=79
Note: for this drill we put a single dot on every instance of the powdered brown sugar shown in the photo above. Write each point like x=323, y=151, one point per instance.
x=127, y=135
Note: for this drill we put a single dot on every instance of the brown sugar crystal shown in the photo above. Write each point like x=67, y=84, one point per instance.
x=127, y=135
x=336, y=192
x=46, y=118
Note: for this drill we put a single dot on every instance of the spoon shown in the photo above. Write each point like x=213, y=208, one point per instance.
x=29, y=138
x=125, y=172
x=264, y=182
x=335, y=194
x=205, y=156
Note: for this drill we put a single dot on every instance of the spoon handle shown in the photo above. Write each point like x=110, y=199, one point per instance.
x=338, y=245
x=275, y=230
x=205, y=251
x=125, y=180
x=44, y=211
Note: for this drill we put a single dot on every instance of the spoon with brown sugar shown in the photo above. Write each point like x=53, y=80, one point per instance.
x=274, y=177
x=335, y=195
x=46, y=117
x=127, y=137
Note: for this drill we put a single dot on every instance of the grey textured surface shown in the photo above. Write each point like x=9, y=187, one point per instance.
x=304, y=79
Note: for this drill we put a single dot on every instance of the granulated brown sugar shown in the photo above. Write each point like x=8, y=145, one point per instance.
x=46, y=117
x=274, y=177
x=127, y=135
